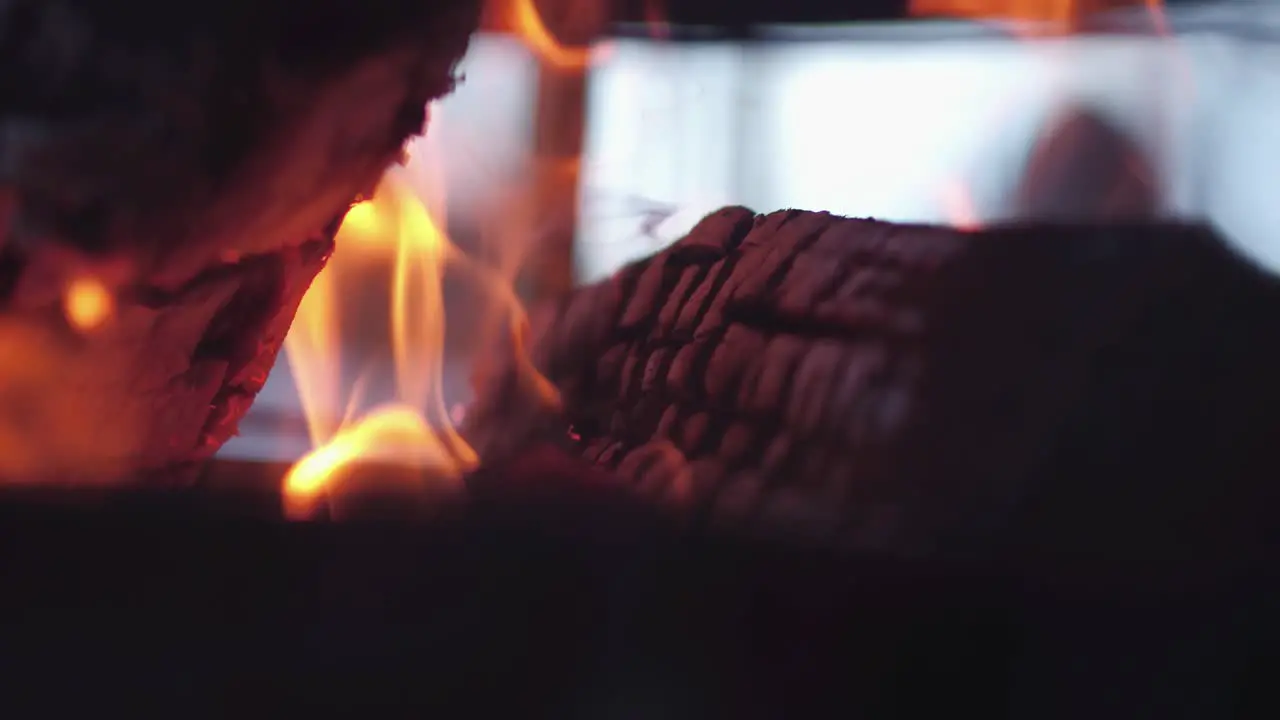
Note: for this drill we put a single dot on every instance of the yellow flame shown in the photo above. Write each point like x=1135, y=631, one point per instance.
x=363, y=222
x=397, y=433
x=87, y=303
x=312, y=349
x=416, y=428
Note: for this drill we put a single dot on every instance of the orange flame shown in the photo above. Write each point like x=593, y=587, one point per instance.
x=1047, y=11
x=414, y=429
x=87, y=303
x=529, y=25
x=1049, y=15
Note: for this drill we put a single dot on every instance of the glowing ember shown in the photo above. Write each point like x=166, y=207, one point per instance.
x=87, y=303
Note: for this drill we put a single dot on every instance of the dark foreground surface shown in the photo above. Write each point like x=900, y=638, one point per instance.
x=587, y=608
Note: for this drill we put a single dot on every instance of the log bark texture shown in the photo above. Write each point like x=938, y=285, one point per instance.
x=197, y=160
x=1067, y=392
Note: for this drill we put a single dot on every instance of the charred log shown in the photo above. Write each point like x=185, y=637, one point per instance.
x=197, y=160
x=187, y=134
x=1083, y=395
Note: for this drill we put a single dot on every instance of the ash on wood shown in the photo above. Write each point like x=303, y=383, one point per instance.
x=1099, y=399
x=197, y=160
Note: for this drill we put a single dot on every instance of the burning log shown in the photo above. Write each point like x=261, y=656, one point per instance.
x=189, y=166
x=1056, y=392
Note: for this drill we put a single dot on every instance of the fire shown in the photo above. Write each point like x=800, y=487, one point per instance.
x=396, y=240
x=1047, y=11
x=394, y=231
x=414, y=428
x=87, y=303
x=528, y=23
x=396, y=430
x=363, y=222
x=1051, y=14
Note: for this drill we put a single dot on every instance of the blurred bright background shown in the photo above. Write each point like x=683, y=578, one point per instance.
x=887, y=121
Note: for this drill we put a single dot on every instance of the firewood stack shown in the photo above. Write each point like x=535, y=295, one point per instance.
x=195, y=160
x=1076, y=394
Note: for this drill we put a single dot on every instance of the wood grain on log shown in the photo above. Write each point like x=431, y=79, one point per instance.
x=197, y=160
x=921, y=389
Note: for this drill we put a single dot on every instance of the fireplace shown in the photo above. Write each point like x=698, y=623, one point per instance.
x=777, y=462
